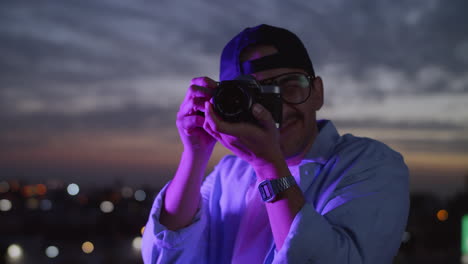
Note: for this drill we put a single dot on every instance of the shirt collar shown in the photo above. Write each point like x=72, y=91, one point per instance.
x=324, y=143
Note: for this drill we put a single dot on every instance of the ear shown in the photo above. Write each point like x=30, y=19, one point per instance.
x=316, y=93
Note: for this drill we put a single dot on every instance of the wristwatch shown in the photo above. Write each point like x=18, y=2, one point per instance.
x=270, y=188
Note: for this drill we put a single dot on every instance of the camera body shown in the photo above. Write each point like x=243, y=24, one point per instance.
x=233, y=100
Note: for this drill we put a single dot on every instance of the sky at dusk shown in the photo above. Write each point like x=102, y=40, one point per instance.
x=89, y=90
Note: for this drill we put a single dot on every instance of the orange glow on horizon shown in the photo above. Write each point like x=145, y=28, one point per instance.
x=147, y=151
x=120, y=150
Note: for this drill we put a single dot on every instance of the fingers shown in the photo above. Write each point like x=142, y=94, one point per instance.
x=207, y=127
x=201, y=87
x=205, y=82
x=230, y=142
x=214, y=122
x=190, y=107
x=200, y=91
x=263, y=116
x=190, y=122
x=210, y=124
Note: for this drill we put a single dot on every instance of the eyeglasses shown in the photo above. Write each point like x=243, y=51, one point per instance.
x=295, y=87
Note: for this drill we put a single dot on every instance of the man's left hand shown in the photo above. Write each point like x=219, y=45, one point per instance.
x=257, y=144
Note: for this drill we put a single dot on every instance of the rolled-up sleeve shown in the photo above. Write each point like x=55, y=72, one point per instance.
x=186, y=245
x=361, y=222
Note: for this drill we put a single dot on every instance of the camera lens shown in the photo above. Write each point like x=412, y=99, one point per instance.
x=232, y=100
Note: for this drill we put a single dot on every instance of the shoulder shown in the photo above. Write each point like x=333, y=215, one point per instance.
x=364, y=159
x=353, y=147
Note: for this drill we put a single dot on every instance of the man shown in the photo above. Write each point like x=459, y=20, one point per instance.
x=324, y=198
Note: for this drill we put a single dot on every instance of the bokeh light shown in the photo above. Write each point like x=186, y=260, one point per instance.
x=127, y=192
x=32, y=203
x=73, y=189
x=464, y=259
x=107, y=207
x=41, y=189
x=14, y=251
x=136, y=243
x=45, y=205
x=140, y=195
x=27, y=190
x=87, y=247
x=142, y=230
x=4, y=187
x=52, y=251
x=442, y=215
x=14, y=186
x=5, y=205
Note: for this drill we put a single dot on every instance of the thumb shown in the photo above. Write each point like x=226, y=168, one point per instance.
x=263, y=115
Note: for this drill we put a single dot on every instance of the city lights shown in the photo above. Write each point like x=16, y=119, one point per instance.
x=127, y=192
x=14, y=186
x=136, y=243
x=28, y=190
x=118, y=207
x=73, y=189
x=87, y=247
x=464, y=239
x=41, y=189
x=4, y=187
x=442, y=215
x=107, y=207
x=5, y=205
x=464, y=259
x=32, y=203
x=140, y=195
x=52, y=251
x=45, y=205
x=14, y=251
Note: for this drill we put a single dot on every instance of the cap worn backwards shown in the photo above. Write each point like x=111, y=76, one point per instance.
x=291, y=52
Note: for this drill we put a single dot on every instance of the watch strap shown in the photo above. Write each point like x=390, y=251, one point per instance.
x=283, y=183
x=269, y=189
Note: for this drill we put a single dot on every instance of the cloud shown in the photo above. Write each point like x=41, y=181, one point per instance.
x=93, y=60
x=448, y=108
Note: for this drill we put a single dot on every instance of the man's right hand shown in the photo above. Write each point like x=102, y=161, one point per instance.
x=190, y=118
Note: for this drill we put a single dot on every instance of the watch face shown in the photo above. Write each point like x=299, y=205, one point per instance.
x=266, y=191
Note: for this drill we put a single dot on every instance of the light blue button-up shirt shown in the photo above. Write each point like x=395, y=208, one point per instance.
x=357, y=203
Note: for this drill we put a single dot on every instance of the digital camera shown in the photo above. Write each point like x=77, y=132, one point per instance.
x=233, y=99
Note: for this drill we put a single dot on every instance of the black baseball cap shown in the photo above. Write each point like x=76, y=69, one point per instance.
x=291, y=52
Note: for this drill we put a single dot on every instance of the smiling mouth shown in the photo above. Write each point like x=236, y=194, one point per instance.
x=286, y=126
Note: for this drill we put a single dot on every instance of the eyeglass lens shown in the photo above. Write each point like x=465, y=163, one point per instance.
x=295, y=88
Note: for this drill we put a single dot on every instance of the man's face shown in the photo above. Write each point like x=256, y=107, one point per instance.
x=299, y=128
